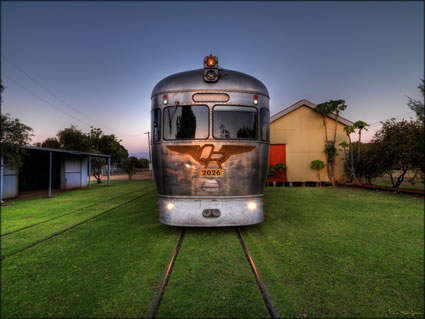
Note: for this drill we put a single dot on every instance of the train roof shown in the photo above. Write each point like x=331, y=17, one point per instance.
x=228, y=81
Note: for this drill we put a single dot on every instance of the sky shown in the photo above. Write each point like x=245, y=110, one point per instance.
x=96, y=63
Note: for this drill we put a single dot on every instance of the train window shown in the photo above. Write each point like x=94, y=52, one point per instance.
x=186, y=122
x=234, y=122
x=156, y=125
x=265, y=124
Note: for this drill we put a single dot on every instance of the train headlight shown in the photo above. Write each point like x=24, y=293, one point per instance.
x=252, y=205
x=165, y=99
x=210, y=69
x=170, y=206
x=255, y=99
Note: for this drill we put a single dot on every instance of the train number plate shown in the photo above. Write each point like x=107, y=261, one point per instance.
x=211, y=172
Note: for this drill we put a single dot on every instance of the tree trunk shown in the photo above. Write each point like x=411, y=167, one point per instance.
x=318, y=175
x=358, y=149
x=352, y=161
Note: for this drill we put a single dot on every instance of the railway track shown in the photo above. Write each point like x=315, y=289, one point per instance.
x=75, y=225
x=263, y=290
x=69, y=213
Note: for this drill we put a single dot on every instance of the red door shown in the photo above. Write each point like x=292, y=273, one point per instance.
x=277, y=155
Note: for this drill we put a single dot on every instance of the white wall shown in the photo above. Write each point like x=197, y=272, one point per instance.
x=74, y=172
x=10, y=183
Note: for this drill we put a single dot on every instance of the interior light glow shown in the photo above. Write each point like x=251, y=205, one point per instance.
x=170, y=206
x=252, y=205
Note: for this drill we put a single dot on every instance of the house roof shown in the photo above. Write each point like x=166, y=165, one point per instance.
x=56, y=150
x=307, y=103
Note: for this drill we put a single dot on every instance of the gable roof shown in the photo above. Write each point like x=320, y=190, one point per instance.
x=307, y=103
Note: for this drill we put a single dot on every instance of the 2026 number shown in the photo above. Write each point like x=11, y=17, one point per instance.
x=211, y=172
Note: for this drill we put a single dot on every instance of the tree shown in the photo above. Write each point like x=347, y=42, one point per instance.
x=105, y=144
x=51, y=142
x=143, y=163
x=73, y=139
x=416, y=105
x=129, y=166
x=14, y=135
x=399, y=146
x=349, y=129
x=360, y=125
x=317, y=164
x=324, y=109
x=369, y=166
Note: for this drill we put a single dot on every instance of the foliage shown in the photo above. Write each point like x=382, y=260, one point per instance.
x=14, y=135
x=368, y=166
x=129, y=166
x=94, y=142
x=317, y=164
x=280, y=167
x=51, y=142
x=324, y=109
x=73, y=139
x=143, y=163
x=417, y=105
x=331, y=152
x=271, y=170
x=105, y=144
x=400, y=146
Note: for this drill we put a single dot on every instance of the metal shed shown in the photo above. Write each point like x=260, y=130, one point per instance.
x=47, y=169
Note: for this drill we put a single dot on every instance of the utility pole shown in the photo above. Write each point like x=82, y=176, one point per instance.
x=150, y=156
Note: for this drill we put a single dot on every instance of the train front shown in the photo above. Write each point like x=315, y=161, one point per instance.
x=210, y=147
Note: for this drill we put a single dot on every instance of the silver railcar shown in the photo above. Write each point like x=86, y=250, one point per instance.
x=210, y=147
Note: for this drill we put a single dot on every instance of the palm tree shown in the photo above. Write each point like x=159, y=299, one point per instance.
x=350, y=129
x=361, y=126
x=317, y=164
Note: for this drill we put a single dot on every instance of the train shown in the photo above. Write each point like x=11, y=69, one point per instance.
x=210, y=137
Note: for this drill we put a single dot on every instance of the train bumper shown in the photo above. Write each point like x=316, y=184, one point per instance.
x=211, y=212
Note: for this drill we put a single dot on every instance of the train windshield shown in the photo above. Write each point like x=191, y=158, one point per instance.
x=234, y=122
x=186, y=122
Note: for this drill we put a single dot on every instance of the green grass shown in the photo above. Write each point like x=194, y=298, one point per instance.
x=341, y=252
x=321, y=252
x=22, y=213
x=212, y=279
x=386, y=181
x=110, y=267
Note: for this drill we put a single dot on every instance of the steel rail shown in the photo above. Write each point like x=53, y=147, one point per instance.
x=261, y=286
x=74, y=226
x=157, y=301
x=71, y=212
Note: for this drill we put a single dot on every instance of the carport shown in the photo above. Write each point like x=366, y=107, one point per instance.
x=47, y=169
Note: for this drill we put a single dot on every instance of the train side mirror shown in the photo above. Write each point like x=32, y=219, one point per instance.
x=210, y=69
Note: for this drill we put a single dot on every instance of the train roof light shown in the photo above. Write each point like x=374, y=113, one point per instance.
x=165, y=99
x=255, y=99
x=210, y=69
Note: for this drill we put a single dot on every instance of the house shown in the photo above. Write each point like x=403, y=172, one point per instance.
x=297, y=137
x=46, y=169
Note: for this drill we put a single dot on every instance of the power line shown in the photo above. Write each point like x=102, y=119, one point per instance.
x=45, y=101
x=53, y=94
x=379, y=122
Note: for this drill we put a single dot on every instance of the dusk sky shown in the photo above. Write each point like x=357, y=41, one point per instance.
x=96, y=63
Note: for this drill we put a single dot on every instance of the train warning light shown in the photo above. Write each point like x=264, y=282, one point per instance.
x=255, y=99
x=210, y=69
x=211, y=61
x=165, y=99
x=170, y=206
x=252, y=205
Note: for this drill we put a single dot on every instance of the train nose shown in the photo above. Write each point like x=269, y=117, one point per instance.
x=211, y=186
x=211, y=213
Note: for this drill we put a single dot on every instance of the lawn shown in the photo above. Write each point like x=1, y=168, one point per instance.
x=326, y=252
x=321, y=252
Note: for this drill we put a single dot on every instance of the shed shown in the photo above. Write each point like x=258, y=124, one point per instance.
x=47, y=169
x=297, y=137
